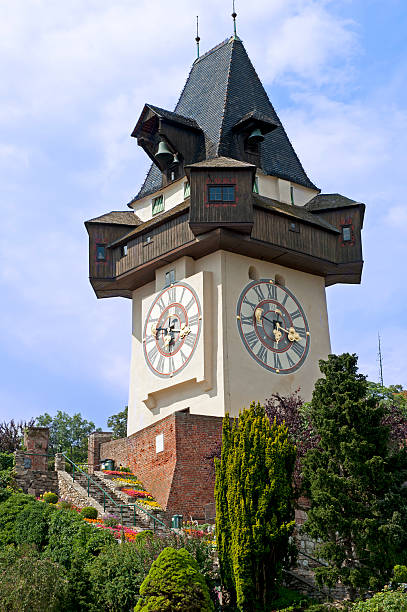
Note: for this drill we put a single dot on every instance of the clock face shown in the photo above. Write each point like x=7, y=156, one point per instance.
x=273, y=326
x=172, y=329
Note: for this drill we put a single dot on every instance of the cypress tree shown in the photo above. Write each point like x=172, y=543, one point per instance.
x=254, y=507
x=355, y=481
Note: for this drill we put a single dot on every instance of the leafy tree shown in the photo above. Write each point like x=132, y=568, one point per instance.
x=118, y=423
x=355, y=480
x=290, y=411
x=174, y=582
x=11, y=434
x=254, y=507
x=68, y=434
x=6, y=472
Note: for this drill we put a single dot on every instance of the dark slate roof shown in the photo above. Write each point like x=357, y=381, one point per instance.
x=326, y=201
x=118, y=217
x=297, y=212
x=221, y=162
x=223, y=87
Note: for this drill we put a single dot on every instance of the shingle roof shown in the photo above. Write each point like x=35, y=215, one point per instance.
x=119, y=217
x=325, y=201
x=298, y=212
x=223, y=87
x=157, y=220
x=221, y=162
x=171, y=116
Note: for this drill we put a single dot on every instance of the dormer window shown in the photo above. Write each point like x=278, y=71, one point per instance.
x=187, y=190
x=256, y=185
x=100, y=252
x=123, y=250
x=221, y=193
x=157, y=205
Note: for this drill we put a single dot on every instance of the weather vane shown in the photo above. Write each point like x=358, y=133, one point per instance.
x=197, y=36
x=234, y=15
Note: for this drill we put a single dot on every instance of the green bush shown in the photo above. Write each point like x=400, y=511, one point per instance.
x=9, y=510
x=384, y=601
x=288, y=599
x=5, y=493
x=89, y=512
x=174, y=582
x=117, y=573
x=400, y=573
x=64, y=526
x=88, y=542
x=29, y=583
x=32, y=524
x=6, y=461
x=50, y=498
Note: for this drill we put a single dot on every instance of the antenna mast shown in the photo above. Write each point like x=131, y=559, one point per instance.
x=380, y=360
x=197, y=36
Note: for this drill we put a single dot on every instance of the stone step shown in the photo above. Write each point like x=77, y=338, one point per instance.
x=104, y=496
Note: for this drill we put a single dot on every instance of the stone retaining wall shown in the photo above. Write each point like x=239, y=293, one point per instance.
x=71, y=491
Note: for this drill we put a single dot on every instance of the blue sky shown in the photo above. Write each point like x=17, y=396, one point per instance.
x=75, y=76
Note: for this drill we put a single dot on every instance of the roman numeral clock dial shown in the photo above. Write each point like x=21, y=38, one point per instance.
x=172, y=329
x=273, y=326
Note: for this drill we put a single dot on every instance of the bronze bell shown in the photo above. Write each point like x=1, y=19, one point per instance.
x=163, y=154
x=255, y=137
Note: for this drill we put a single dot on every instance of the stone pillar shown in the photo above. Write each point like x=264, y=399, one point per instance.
x=59, y=463
x=36, y=443
x=94, y=441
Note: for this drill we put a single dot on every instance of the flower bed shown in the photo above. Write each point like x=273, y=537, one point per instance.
x=118, y=530
x=116, y=473
x=137, y=493
x=132, y=481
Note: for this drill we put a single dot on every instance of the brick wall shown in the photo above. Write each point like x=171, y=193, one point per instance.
x=180, y=477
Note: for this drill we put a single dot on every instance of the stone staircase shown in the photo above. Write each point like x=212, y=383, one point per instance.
x=128, y=516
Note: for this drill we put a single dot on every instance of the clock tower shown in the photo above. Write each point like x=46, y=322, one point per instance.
x=225, y=254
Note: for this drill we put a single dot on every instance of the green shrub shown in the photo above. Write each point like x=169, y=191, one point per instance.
x=174, y=582
x=64, y=525
x=384, y=601
x=50, y=498
x=88, y=542
x=287, y=599
x=117, y=573
x=29, y=583
x=32, y=524
x=110, y=520
x=9, y=510
x=5, y=494
x=6, y=461
x=400, y=573
x=89, y=512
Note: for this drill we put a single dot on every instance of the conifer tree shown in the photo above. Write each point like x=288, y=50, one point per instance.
x=254, y=507
x=355, y=480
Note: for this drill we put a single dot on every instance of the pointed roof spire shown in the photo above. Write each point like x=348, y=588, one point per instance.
x=197, y=37
x=221, y=90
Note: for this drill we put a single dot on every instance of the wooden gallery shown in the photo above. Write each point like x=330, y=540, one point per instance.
x=225, y=254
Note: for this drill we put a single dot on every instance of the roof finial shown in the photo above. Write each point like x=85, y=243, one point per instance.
x=197, y=36
x=234, y=15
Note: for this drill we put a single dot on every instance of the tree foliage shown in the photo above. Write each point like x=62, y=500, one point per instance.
x=354, y=478
x=174, y=582
x=254, y=507
x=11, y=434
x=68, y=434
x=118, y=423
